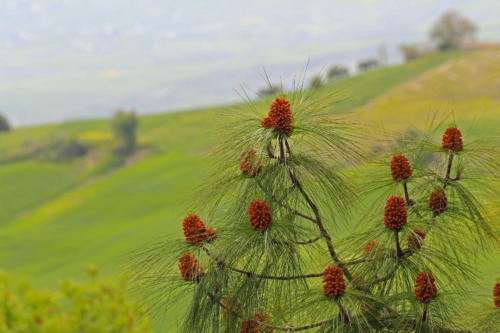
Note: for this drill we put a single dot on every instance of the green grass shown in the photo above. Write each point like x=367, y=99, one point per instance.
x=23, y=189
x=57, y=217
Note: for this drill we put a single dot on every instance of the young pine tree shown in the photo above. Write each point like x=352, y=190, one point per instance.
x=301, y=229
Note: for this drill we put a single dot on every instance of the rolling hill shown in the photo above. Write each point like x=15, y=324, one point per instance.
x=57, y=216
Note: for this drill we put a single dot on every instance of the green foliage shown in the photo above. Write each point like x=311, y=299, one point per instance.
x=92, y=306
x=124, y=126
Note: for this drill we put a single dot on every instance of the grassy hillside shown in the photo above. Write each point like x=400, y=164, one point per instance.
x=467, y=87
x=57, y=216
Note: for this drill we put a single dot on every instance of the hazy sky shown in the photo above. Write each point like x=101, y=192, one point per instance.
x=71, y=59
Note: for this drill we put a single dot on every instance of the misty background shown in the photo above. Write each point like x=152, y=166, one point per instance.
x=62, y=60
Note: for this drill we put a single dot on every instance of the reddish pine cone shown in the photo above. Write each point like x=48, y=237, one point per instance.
x=496, y=294
x=195, y=230
x=438, y=201
x=416, y=238
x=452, y=140
x=279, y=116
x=259, y=215
x=425, y=289
x=249, y=326
x=395, y=213
x=252, y=325
x=372, y=246
x=228, y=305
x=249, y=164
x=223, y=308
x=189, y=267
x=333, y=277
x=400, y=168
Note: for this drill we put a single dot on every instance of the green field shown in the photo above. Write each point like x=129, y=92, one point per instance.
x=58, y=216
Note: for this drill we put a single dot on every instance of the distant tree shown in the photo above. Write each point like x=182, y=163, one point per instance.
x=410, y=51
x=4, y=123
x=124, y=126
x=269, y=91
x=337, y=72
x=364, y=65
x=316, y=82
x=451, y=29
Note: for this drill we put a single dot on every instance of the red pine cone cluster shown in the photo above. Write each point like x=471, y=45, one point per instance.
x=425, y=289
x=259, y=215
x=196, y=231
x=252, y=325
x=248, y=165
x=333, y=277
x=372, y=246
x=496, y=294
x=400, y=168
x=416, y=239
x=189, y=267
x=279, y=116
x=438, y=201
x=452, y=140
x=395, y=214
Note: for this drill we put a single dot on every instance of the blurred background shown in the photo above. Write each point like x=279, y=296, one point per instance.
x=72, y=59
x=107, y=117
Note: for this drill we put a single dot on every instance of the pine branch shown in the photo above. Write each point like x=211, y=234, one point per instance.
x=310, y=241
x=446, y=181
x=249, y=274
x=293, y=211
x=282, y=204
x=406, y=252
x=448, y=169
x=317, y=215
x=269, y=152
x=409, y=202
x=399, y=252
x=358, y=261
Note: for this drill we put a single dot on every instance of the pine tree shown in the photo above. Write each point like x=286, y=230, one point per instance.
x=302, y=229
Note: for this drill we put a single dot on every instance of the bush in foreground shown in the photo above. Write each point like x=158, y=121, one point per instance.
x=94, y=306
